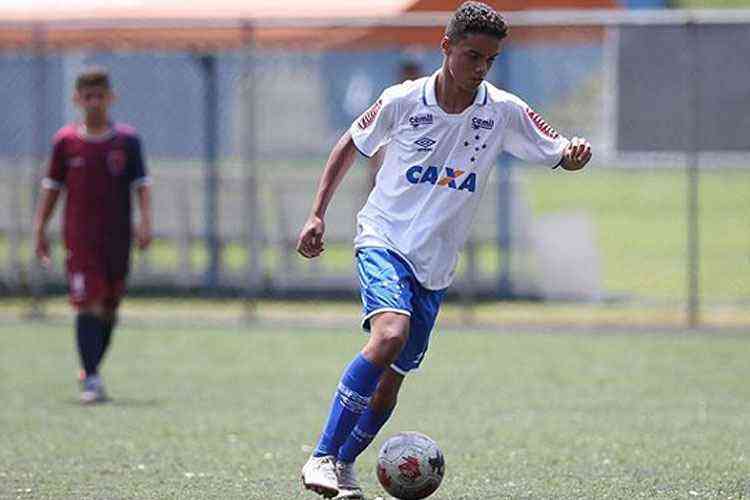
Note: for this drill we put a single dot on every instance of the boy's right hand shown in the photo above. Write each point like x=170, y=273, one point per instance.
x=42, y=250
x=310, y=242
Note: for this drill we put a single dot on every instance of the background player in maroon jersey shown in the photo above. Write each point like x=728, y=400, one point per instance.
x=98, y=163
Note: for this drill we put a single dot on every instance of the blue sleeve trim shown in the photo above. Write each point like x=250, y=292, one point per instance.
x=360, y=151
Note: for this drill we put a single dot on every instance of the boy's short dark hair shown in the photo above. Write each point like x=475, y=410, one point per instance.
x=473, y=18
x=93, y=77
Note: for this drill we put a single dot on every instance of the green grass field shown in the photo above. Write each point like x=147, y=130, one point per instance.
x=232, y=414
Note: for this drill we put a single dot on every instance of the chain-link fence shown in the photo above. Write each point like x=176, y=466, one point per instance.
x=236, y=141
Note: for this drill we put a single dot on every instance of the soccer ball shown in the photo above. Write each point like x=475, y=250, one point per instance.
x=410, y=466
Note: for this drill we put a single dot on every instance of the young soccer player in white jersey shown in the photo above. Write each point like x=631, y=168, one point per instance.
x=444, y=133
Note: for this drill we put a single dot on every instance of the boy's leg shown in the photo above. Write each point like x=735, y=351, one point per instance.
x=425, y=307
x=386, y=296
x=109, y=321
x=357, y=384
x=369, y=424
x=374, y=418
x=352, y=399
x=87, y=287
x=352, y=396
x=349, y=402
x=89, y=334
x=89, y=337
x=92, y=295
x=111, y=296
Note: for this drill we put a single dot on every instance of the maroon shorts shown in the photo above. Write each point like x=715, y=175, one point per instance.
x=88, y=285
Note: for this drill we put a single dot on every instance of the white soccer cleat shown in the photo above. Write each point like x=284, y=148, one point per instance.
x=319, y=475
x=347, y=481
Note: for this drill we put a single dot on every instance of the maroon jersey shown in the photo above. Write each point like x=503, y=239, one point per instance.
x=98, y=174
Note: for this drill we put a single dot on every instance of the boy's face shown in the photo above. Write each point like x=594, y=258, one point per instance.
x=94, y=101
x=470, y=59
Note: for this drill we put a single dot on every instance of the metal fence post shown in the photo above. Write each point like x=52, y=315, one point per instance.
x=693, y=170
x=504, y=206
x=248, y=152
x=185, y=235
x=504, y=228
x=211, y=136
x=40, y=141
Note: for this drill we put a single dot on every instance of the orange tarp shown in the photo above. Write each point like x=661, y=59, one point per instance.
x=431, y=36
x=232, y=24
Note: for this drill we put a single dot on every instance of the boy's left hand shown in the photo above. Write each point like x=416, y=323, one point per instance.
x=143, y=235
x=576, y=155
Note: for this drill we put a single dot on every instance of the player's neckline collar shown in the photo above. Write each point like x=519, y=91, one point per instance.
x=429, y=96
x=104, y=136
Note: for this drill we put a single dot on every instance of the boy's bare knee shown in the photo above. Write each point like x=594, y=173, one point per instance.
x=389, y=334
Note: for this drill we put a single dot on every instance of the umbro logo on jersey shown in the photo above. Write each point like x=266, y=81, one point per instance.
x=478, y=123
x=417, y=120
x=450, y=177
x=425, y=144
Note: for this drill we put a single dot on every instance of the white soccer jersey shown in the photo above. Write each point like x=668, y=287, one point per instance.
x=436, y=168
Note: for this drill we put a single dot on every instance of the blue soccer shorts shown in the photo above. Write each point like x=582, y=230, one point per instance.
x=387, y=283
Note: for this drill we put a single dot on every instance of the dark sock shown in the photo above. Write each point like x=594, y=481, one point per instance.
x=107, y=326
x=89, y=337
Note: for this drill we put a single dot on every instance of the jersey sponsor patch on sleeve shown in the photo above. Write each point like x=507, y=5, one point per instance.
x=542, y=125
x=368, y=117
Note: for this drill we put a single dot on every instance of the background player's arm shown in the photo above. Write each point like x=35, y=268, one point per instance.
x=46, y=206
x=143, y=232
x=310, y=242
x=141, y=184
x=50, y=193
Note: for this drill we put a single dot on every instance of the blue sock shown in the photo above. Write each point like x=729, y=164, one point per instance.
x=368, y=426
x=349, y=403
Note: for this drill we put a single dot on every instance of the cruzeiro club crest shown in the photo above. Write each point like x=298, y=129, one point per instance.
x=116, y=161
x=425, y=144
